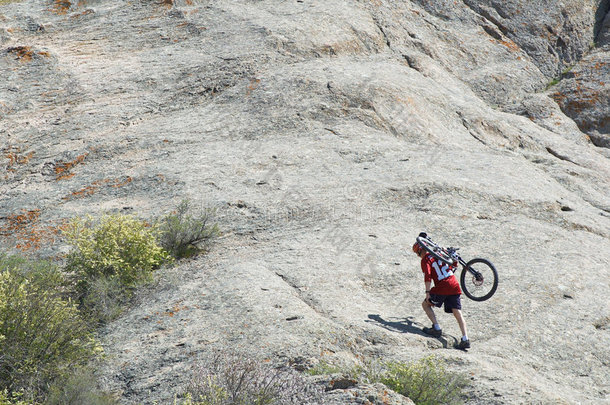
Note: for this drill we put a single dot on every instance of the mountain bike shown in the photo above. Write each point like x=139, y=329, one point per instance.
x=479, y=278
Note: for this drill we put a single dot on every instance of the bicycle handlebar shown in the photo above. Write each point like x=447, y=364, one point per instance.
x=455, y=255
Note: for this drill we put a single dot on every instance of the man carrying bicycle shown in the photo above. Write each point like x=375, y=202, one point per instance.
x=446, y=290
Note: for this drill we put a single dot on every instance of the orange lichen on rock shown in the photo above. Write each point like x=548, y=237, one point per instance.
x=510, y=44
x=254, y=83
x=118, y=184
x=83, y=192
x=23, y=53
x=17, y=222
x=84, y=13
x=61, y=6
x=581, y=100
x=96, y=186
x=26, y=231
x=62, y=170
x=16, y=156
x=26, y=53
x=600, y=65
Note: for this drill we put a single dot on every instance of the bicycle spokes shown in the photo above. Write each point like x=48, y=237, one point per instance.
x=479, y=279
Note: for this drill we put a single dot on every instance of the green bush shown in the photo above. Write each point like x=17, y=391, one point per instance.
x=426, y=382
x=45, y=273
x=116, y=246
x=184, y=234
x=15, y=398
x=42, y=335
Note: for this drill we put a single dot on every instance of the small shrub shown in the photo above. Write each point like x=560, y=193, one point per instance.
x=80, y=388
x=426, y=382
x=231, y=379
x=42, y=334
x=118, y=246
x=184, y=234
x=368, y=371
x=324, y=368
x=553, y=82
x=104, y=300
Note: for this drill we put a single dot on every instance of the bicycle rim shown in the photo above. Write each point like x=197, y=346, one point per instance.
x=480, y=284
x=435, y=250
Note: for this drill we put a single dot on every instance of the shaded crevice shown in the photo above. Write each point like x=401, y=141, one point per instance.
x=470, y=131
x=385, y=35
x=488, y=16
x=413, y=63
x=603, y=13
x=492, y=23
x=288, y=281
x=362, y=109
x=477, y=138
x=492, y=32
x=560, y=156
x=299, y=292
x=385, y=123
x=368, y=42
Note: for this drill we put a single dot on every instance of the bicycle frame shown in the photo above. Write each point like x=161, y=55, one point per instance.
x=453, y=253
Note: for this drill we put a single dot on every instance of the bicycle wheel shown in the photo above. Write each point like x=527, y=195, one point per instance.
x=479, y=279
x=435, y=250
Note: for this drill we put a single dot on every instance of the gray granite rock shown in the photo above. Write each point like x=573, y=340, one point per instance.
x=327, y=134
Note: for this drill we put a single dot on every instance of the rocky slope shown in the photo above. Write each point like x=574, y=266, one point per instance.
x=328, y=134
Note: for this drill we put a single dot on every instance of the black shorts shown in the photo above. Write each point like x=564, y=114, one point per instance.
x=450, y=301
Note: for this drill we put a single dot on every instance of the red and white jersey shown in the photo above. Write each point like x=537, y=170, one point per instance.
x=445, y=282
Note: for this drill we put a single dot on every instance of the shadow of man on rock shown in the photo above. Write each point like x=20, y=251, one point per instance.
x=407, y=325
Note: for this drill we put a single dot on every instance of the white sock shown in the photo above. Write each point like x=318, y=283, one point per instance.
x=436, y=326
x=464, y=338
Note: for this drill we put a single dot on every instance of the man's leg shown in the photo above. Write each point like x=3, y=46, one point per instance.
x=435, y=330
x=460, y=320
x=429, y=311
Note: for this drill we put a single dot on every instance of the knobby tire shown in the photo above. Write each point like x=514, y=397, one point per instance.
x=479, y=290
